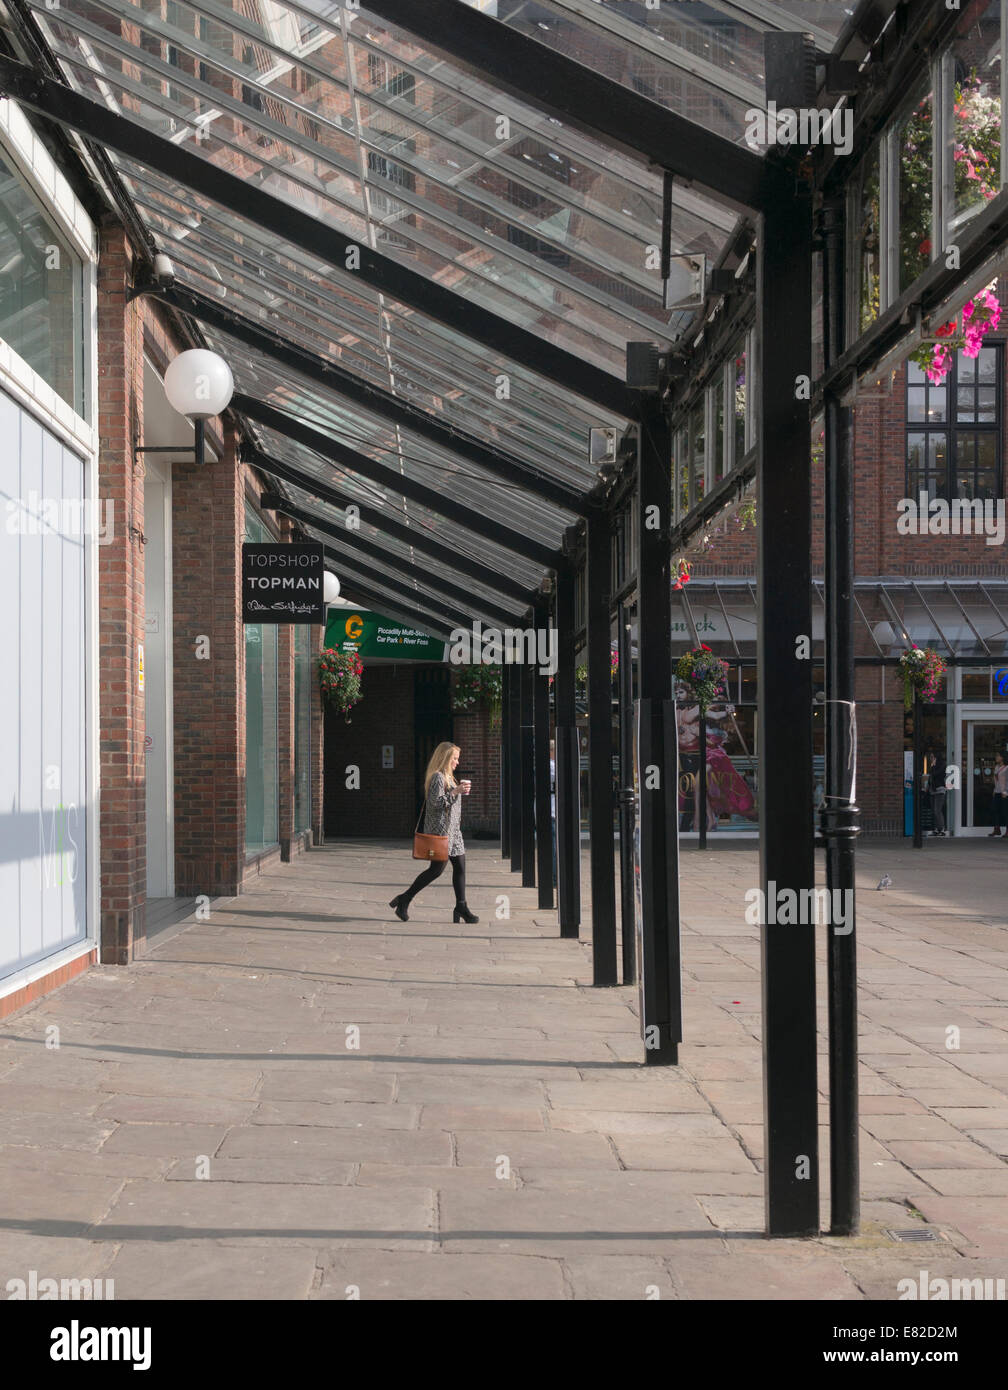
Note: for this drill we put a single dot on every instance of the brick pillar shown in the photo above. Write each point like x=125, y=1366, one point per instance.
x=121, y=599
x=285, y=721
x=317, y=742
x=208, y=525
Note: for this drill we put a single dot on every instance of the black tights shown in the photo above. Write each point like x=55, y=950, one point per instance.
x=436, y=869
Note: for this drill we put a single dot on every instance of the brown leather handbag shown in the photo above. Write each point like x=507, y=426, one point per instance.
x=433, y=848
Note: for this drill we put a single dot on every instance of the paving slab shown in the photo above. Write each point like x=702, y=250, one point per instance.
x=204, y=1130
x=367, y=1274
x=175, y=1269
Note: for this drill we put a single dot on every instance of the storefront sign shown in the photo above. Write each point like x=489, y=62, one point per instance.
x=282, y=583
x=372, y=635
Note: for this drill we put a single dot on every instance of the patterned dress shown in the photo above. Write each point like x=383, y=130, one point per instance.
x=443, y=814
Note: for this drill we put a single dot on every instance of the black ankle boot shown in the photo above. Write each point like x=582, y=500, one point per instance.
x=399, y=905
x=462, y=914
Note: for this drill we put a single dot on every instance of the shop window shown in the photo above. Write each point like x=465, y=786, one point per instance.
x=866, y=222
x=41, y=292
x=719, y=432
x=914, y=145
x=740, y=403
x=302, y=727
x=954, y=430
x=976, y=118
x=262, y=770
x=698, y=440
x=976, y=686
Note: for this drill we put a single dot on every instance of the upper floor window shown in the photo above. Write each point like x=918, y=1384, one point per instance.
x=954, y=430
x=41, y=291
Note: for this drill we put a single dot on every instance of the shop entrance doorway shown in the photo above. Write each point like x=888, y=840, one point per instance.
x=981, y=740
x=432, y=718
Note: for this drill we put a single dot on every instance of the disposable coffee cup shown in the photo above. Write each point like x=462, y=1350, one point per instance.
x=466, y=784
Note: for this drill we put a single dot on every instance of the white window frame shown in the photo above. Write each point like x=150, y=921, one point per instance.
x=31, y=161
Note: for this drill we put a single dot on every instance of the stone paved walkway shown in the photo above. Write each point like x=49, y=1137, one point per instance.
x=302, y=1094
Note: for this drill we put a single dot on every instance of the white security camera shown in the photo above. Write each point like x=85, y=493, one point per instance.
x=164, y=271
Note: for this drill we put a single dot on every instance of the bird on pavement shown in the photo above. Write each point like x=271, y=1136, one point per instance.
x=884, y=881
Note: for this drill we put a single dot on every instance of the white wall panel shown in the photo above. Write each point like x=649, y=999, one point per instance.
x=43, y=792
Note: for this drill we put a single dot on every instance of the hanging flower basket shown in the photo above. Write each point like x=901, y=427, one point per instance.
x=581, y=672
x=339, y=678
x=479, y=687
x=922, y=670
x=681, y=570
x=704, y=675
x=980, y=316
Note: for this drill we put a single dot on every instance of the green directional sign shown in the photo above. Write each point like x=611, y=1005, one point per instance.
x=372, y=634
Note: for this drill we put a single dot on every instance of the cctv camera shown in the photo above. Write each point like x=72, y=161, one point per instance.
x=164, y=271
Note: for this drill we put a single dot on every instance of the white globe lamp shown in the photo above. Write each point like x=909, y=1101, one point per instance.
x=330, y=587
x=199, y=385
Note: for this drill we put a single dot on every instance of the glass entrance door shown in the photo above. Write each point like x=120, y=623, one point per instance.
x=982, y=739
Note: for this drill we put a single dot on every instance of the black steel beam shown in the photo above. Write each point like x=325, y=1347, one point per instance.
x=541, y=736
x=660, y=988
x=627, y=809
x=391, y=560
x=415, y=536
x=839, y=818
x=250, y=201
x=784, y=636
x=577, y=96
x=505, y=768
x=369, y=397
x=435, y=501
x=528, y=830
x=568, y=761
x=376, y=578
x=600, y=741
x=512, y=674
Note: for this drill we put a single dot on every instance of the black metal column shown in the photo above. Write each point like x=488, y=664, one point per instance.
x=839, y=815
x=603, y=860
x=513, y=676
x=568, y=762
x=505, y=766
x=660, y=989
x=527, y=777
x=918, y=770
x=784, y=645
x=627, y=810
x=702, y=775
x=543, y=812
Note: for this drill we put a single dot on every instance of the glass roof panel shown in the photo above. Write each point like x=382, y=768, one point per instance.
x=399, y=549
x=349, y=120
x=402, y=510
x=526, y=255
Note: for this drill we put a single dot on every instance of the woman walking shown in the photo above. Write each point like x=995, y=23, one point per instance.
x=443, y=812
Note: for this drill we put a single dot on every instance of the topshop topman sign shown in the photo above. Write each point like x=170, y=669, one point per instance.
x=282, y=583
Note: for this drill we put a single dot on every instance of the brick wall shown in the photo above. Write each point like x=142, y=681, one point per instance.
x=387, y=805
x=209, y=693
x=121, y=601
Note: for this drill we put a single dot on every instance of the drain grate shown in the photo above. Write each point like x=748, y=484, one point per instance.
x=915, y=1234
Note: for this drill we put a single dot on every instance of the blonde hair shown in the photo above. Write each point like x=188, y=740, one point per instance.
x=440, y=759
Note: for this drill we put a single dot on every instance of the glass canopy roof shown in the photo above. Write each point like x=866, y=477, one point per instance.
x=343, y=116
